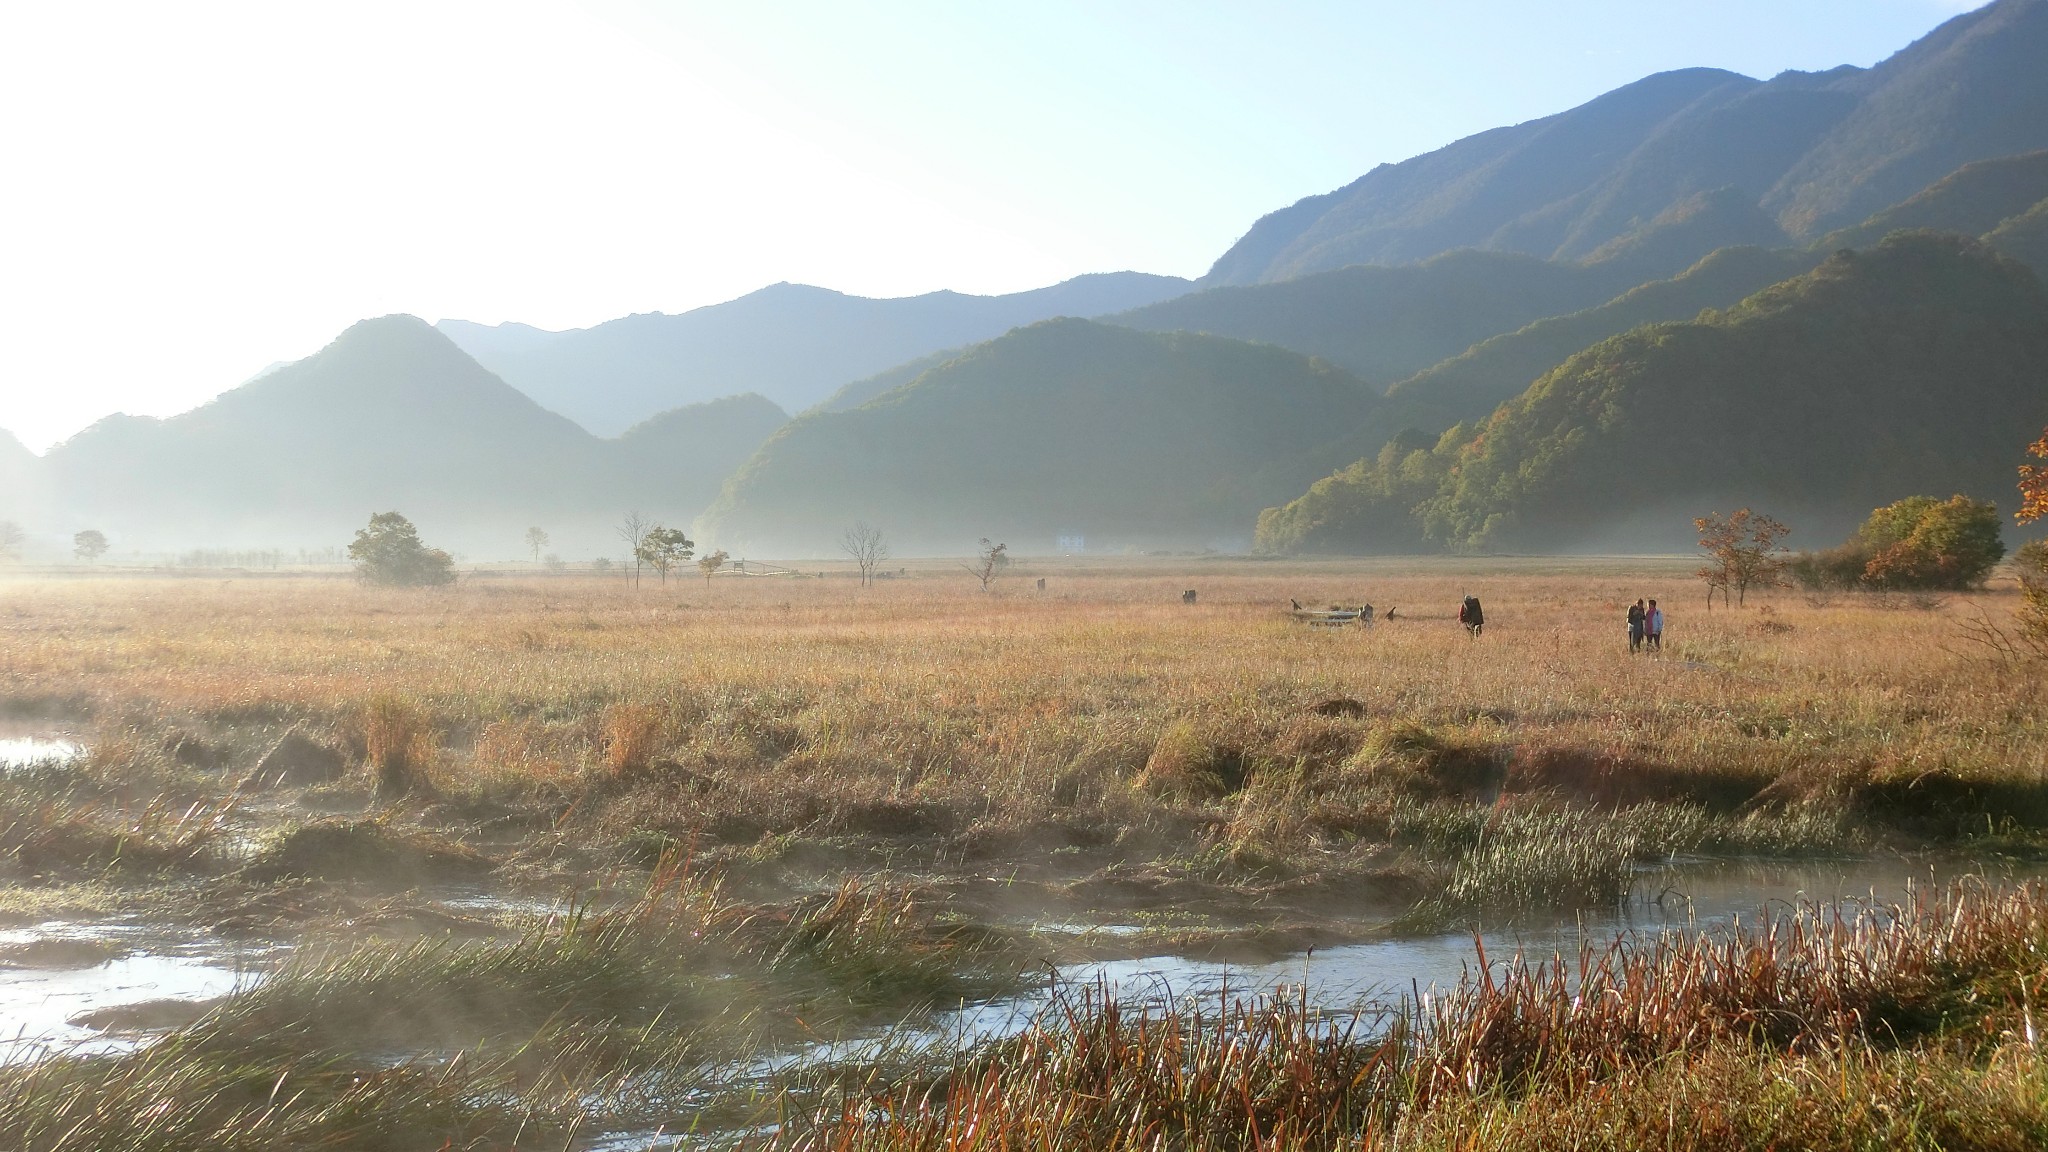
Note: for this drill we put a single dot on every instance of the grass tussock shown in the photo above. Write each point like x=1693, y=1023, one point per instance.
x=369, y=851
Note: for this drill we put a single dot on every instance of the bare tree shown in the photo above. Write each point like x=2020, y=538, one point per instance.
x=864, y=543
x=12, y=540
x=633, y=530
x=536, y=542
x=989, y=563
x=710, y=564
x=89, y=545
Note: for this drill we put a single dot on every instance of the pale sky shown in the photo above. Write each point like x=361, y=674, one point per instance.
x=191, y=191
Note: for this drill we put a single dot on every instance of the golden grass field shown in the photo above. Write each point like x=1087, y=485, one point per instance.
x=851, y=805
x=982, y=725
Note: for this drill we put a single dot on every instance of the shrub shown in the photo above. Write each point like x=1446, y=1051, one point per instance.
x=1918, y=543
x=389, y=551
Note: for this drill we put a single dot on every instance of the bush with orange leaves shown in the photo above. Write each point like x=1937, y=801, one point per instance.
x=2033, y=558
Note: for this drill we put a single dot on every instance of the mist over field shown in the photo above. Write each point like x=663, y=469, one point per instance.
x=886, y=578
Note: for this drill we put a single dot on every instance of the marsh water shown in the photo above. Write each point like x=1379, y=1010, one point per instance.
x=93, y=985
x=60, y=979
x=18, y=751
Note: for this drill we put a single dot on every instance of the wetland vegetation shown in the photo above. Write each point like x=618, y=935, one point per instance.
x=547, y=862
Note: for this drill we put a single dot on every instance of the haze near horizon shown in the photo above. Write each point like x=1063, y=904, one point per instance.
x=209, y=191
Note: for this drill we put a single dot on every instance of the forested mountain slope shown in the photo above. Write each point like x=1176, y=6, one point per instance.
x=1067, y=427
x=1917, y=367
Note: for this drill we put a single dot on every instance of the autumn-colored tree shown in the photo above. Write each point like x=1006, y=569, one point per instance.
x=2033, y=558
x=2034, y=483
x=1915, y=543
x=1921, y=542
x=710, y=563
x=1743, y=550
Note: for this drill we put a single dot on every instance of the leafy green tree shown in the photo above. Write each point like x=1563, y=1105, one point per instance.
x=536, y=542
x=663, y=548
x=89, y=545
x=389, y=551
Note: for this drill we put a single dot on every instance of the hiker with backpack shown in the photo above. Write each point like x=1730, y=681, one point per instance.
x=1471, y=615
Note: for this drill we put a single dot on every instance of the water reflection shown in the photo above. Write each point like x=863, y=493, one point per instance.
x=30, y=751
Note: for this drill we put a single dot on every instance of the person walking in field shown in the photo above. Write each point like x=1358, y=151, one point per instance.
x=1471, y=615
x=1653, y=627
x=1636, y=621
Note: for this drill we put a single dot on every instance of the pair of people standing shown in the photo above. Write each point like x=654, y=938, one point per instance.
x=1645, y=626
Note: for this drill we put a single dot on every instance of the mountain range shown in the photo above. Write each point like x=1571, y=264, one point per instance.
x=1811, y=152
x=791, y=343
x=1462, y=350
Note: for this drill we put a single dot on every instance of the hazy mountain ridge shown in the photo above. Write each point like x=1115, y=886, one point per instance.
x=2025, y=238
x=1385, y=323
x=1065, y=427
x=1474, y=382
x=1974, y=199
x=391, y=415
x=791, y=343
x=19, y=475
x=1914, y=368
x=861, y=391
x=1814, y=151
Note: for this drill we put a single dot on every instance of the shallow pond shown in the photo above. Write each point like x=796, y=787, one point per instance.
x=58, y=975
x=29, y=751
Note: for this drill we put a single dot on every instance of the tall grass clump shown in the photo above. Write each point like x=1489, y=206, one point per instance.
x=631, y=733
x=399, y=743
